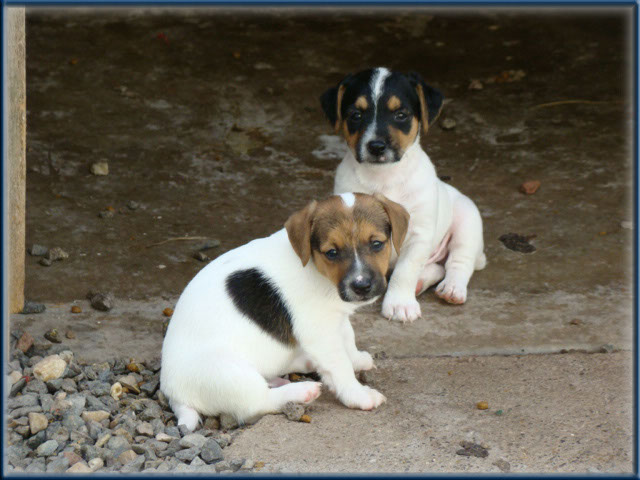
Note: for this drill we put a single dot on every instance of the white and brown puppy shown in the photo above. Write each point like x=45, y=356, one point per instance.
x=380, y=113
x=281, y=304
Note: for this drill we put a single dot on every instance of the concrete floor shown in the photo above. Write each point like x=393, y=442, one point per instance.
x=199, y=114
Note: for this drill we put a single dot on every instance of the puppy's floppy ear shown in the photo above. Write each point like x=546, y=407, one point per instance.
x=399, y=218
x=331, y=102
x=430, y=100
x=298, y=228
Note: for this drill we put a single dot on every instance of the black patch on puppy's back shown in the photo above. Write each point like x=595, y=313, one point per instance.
x=258, y=299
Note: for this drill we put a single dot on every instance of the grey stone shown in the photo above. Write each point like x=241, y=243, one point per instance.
x=183, y=430
x=134, y=465
x=118, y=444
x=173, y=431
x=102, y=301
x=54, y=385
x=227, y=422
x=21, y=412
x=57, y=432
x=224, y=439
x=58, y=465
x=197, y=462
x=448, y=124
x=45, y=262
x=211, y=451
x=46, y=400
x=193, y=440
x=38, y=465
x=223, y=466
x=32, y=308
x=236, y=463
x=36, y=386
x=152, y=412
x=149, y=387
x=78, y=402
x=95, y=404
x=99, y=388
x=293, y=411
x=187, y=454
x=95, y=430
x=133, y=205
x=47, y=449
x=37, y=250
x=202, y=257
x=36, y=440
x=69, y=385
x=72, y=421
x=27, y=400
x=145, y=428
x=55, y=254
x=158, y=426
x=17, y=387
x=105, y=376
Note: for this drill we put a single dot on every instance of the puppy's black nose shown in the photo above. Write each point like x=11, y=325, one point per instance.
x=376, y=147
x=362, y=286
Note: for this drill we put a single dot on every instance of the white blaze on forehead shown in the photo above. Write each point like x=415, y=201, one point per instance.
x=349, y=199
x=376, y=83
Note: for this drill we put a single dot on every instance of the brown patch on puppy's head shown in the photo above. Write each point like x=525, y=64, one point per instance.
x=350, y=241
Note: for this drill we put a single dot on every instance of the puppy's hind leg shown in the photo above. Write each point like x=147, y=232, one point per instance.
x=186, y=416
x=431, y=274
x=465, y=251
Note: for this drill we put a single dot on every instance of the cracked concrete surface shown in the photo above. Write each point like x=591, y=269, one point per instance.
x=210, y=120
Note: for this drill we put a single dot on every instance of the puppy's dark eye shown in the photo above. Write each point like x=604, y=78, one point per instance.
x=376, y=245
x=355, y=116
x=331, y=254
x=401, y=116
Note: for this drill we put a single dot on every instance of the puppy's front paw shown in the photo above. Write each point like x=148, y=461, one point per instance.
x=363, y=361
x=401, y=308
x=452, y=291
x=362, y=397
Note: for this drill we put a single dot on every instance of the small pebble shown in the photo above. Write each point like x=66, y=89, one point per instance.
x=76, y=309
x=448, y=124
x=56, y=254
x=167, y=312
x=38, y=250
x=100, y=168
x=53, y=336
x=106, y=214
x=482, y=405
x=102, y=301
x=133, y=205
x=201, y=257
x=70, y=334
x=530, y=187
x=575, y=321
x=305, y=419
x=293, y=411
x=475, y=85
x=45, y=262
x=32, y=308
x=25, y=342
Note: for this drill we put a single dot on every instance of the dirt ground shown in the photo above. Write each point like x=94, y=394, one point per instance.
x=210, y=121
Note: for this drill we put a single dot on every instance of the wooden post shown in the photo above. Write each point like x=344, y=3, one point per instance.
x=16, y=168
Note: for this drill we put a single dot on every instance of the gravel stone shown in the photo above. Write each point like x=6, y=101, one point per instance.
x=79, y=467
x=145, y=428
x=17, y=387
x=36, y=440
x=187, y=455
x=73, y=457
x=69, y=385
x=96, y=463
x=127, y=456
x=22, y=411
x=152, y=412
x=38, y=465
x=99, y=388
x=227, y=422
x=211, y=451
x=102, y=440
x=31, y=308
x=57, y=432
x=58, y=465
x=118, y=444
x=47, y=449
x=223, y=440
x=36, y=386
x=193, y=440
x=102, y=301
x=37, y=250
x=45, y=262
x=27, y=400
x=55, y=254
x=37, y=422
x=95, y=416
x=134, y=465
x=293, y=411
x=72, y=421
x=100, y=168
x=173, y=431
x=223, y=466
x=150, y=387
x=49, y=368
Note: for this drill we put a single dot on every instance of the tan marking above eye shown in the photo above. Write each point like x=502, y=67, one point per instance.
x=393, y=103
x=362, y=103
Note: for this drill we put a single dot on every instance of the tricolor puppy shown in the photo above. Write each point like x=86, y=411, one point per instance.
x=281, y=304
x=380, y=114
